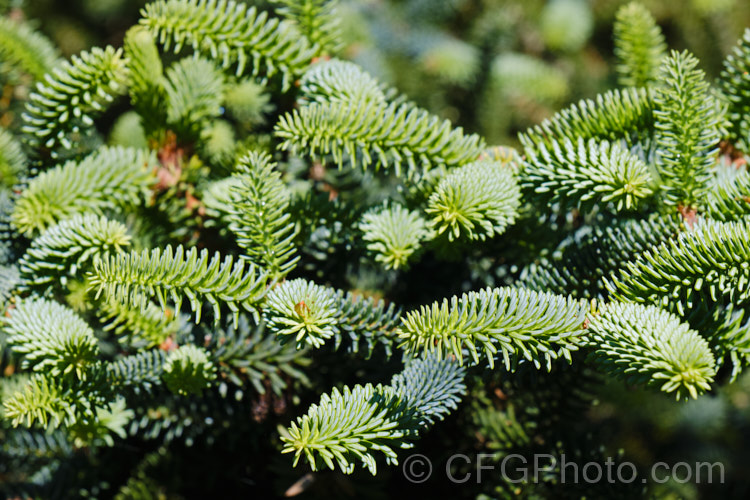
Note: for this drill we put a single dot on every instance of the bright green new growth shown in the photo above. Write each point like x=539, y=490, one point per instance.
x=258, y=214
x=476, y=201
x=39, y=401
x=519, y=324
x=12, y=160
x=107, y=179
x=351, y=425
x=639, y=46
x=687, y=131
x=586, y=172
x=647, y=345
x=51, y=338
x=28, y=50
x=735, y=86
x=134, y=278
x=231, y=34
x=187, y=370
x=302, y=311
x=394, y=235
x=68, y=248
x=708, y=262
x=367, y=133
x=64, y=104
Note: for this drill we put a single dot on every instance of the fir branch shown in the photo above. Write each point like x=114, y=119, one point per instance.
x=66, y=101
x=194, y=90
x=687, y=131
x=139, y=372
x=335, y=80
x=147, y=82
x=520, y=324
x=647, y=345
x=350, y=425
x=51, y=338
x=394, y=235
x=430, y=386
x=188, y=370
x=150, y=326
x=476, y=201
x=252, y=353
x=302, y=311
x=707, y=263
x=109, y=178
x=371, y=133
x=259, y=215
x=585, y=173
x=68, y=248
x=728, y=196
x=232, y=35
x=133, y=278
x=40, y=401
x=617, y=114
x=639, y=46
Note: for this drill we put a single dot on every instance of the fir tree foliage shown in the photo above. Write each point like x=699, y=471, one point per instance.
x=173, y=274
x=67, y=100
x=259, y=217
x=24, y=48
x=586, y=172
x=231, y=34
x=108, y=179
x=649, y=345
x=394, y=235
x=476, y=201
x=514, y=324
x=612, y=244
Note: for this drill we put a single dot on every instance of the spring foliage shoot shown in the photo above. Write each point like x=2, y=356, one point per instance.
x=226, y=235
